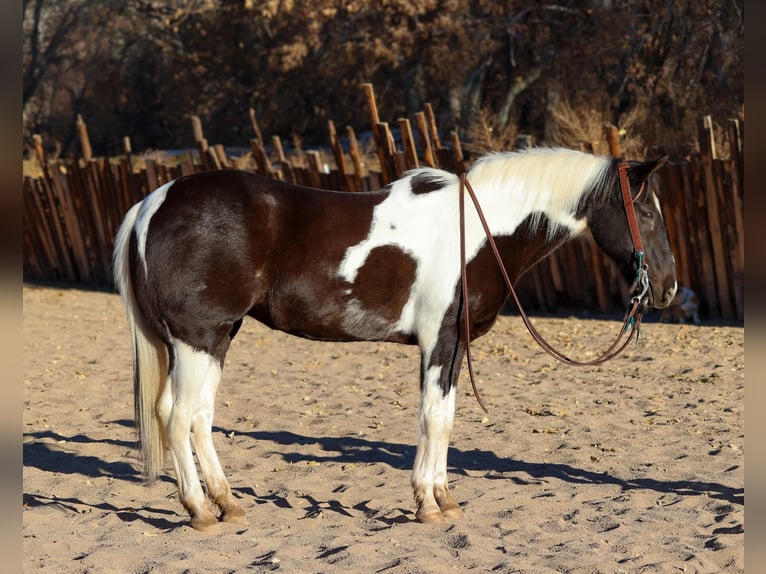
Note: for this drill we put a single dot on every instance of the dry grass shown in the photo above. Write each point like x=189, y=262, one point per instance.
x=485, y=136
x=585, y=128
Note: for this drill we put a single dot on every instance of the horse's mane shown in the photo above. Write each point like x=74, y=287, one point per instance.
x=554, y=181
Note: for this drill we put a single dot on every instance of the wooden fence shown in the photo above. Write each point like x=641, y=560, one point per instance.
x=73, y=208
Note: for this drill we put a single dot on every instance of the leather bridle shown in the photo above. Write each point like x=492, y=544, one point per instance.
x=633, y=316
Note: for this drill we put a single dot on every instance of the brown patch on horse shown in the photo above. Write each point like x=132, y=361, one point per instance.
x=378, y=282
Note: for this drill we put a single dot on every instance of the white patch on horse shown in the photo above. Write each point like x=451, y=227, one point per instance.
x=656, y=201
x=149, y=207
x=509, y=186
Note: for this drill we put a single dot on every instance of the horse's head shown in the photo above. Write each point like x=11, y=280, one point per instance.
x=610, y=228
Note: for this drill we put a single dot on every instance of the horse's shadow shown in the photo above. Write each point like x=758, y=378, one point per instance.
x=47, y=457
x=361, y=450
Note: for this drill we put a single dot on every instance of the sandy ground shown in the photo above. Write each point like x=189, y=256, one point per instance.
x=636, y=466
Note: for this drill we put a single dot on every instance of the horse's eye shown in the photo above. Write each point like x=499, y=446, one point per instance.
x=647, y=215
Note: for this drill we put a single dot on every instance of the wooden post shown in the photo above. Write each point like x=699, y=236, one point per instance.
x=255, y=126
x=127, y=150
x=457, y=150
x=381, y=141
x=286, y=171
x=315, y=168
x=82, y=136
x=70, y=218
x=340, y=158
x=425, y=140
x=38, y=222
x=708, y=154
x=197, y=129
x=220, y=155
x=262, y=166
x=432, y=126
x=408, y=142
x=613, y=140
x=356, y=159
x=738, y=259
x=386, y=152
x=213, y=157
x=99, y=231
x=40, y=151
x=199, y=139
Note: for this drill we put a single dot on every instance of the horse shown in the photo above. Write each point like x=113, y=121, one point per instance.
x=202, y=252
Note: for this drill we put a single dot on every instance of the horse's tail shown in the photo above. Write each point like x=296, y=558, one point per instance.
x=150, y=357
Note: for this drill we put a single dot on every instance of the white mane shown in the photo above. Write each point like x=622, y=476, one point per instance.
x=549, y=181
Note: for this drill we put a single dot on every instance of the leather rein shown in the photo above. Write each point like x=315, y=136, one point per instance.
x=632, y=322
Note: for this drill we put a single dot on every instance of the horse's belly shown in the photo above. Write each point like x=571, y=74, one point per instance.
x=335, y=315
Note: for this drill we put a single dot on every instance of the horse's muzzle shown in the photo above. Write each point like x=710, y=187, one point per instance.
x=665, y=300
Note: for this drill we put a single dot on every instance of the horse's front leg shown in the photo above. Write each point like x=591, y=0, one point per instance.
x=437, y=411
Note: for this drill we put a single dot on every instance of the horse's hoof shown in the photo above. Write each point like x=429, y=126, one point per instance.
x=453, y=514
x=234, y=516
x=431, y=518
x=207, y=524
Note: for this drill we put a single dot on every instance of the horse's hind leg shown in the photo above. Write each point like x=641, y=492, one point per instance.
x=177, y=408
x=218, y=489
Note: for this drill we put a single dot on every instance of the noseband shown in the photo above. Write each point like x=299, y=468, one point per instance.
x=633, y=316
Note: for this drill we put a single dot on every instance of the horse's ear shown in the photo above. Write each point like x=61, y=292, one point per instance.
x=639, y=172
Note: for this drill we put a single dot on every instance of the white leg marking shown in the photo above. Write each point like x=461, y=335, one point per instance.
x=191, y=369
x=218, y=489
x=429, y=473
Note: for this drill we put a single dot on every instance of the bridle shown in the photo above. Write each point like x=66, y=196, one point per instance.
x=633, y=316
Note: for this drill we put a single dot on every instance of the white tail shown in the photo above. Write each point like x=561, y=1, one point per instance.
x=150, y=357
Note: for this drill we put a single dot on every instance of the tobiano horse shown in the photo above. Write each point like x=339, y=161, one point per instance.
x=202, y=252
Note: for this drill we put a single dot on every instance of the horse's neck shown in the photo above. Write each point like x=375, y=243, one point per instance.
x=527, y=247
x=518, y=212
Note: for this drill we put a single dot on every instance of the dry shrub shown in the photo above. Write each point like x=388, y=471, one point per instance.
x=485, y=136
x=585, y=128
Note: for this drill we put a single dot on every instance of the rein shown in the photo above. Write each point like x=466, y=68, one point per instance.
x=633, y=316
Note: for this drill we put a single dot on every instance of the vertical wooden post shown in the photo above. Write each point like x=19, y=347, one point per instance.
x=340, y=158
x=386, y=152
x=314, y=164
x=40, y=151
x=432, y=126
x=425, y=140
x=285, y=167
x=39, y=223
x=261, y=159
x=381, y=141
x=197, y=129
x=127, y=150
x=255, y=126
x=737, y=208
x=356, y=159
x=82, y=136
x=71, y=237
x=708, y=153
x=457, y=150
x=199, y=139
x=408, y=142
x=613, y=140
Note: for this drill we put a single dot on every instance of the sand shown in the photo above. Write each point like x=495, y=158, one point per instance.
x=634, y=466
